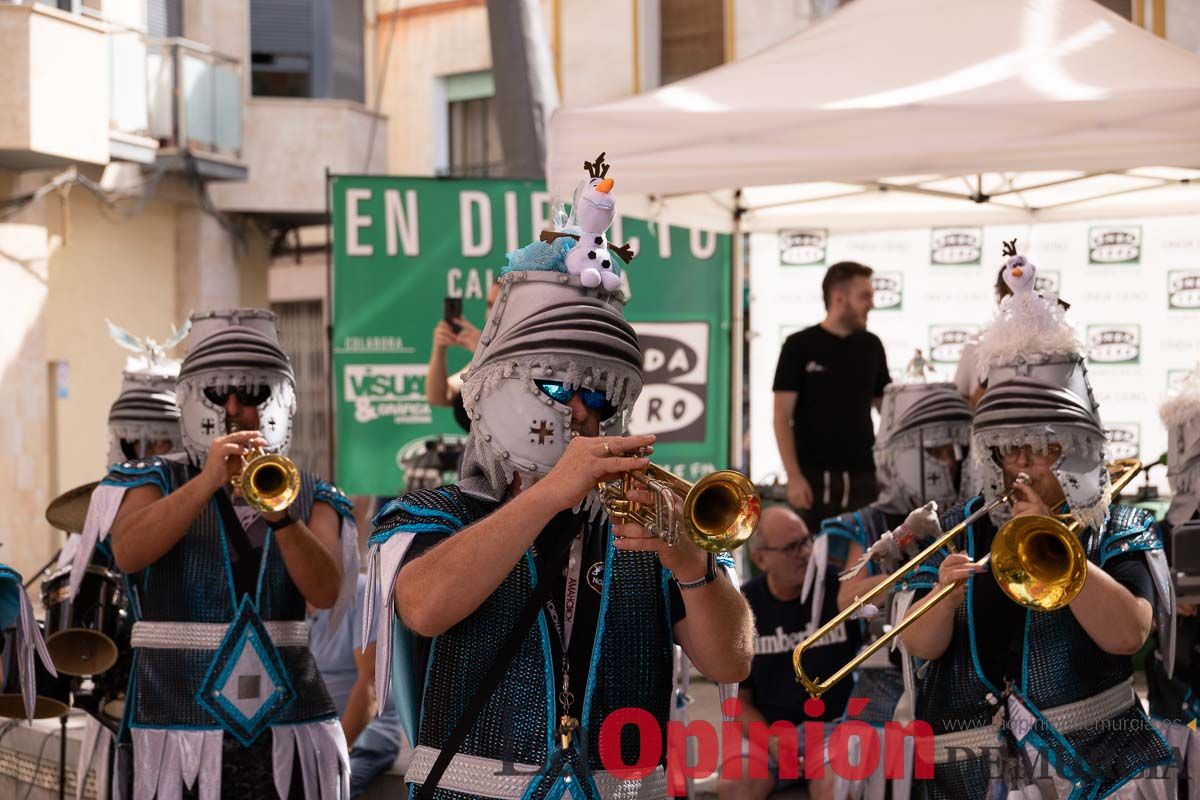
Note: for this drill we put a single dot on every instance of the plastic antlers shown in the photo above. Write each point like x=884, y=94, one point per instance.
x=597, y=168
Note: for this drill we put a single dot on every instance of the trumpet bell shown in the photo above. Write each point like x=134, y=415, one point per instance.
x=722, y=510
x=270, y=482
x=1038, y=562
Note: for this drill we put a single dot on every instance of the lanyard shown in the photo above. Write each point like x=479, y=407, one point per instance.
x=567, y=724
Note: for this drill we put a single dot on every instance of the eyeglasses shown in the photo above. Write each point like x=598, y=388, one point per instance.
x=246, y=395
x=591, y=398
x=791, y=548
x=1027, y=453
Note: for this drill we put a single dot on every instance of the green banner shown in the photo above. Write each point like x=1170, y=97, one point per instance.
x=401, y=245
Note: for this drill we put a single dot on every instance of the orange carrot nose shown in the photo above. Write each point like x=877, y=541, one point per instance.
x=605, y=185
x=1017, y=272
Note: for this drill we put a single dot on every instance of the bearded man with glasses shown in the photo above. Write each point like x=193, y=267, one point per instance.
x=781, y=549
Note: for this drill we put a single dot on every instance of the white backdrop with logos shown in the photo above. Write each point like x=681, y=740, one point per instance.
x=1133, y=285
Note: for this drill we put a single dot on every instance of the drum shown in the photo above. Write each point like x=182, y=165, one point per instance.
x=103, y=696
x=85, y=636
x=53, y=694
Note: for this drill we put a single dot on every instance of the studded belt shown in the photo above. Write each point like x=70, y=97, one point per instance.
x=209, y=635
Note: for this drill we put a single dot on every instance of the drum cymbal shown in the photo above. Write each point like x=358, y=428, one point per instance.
x=68, y=511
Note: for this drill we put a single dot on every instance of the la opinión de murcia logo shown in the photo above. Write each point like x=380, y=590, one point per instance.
x=1114, y=344
x=1183, y=289
x=946, y=342
x=1115, y=245
x=802, y=248
x=956, y=246
x=889, y=290
x=1123, y=440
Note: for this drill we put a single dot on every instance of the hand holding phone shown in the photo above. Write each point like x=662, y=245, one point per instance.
x=452, y=309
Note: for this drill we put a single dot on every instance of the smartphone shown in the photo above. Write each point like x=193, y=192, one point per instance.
x=452, y=310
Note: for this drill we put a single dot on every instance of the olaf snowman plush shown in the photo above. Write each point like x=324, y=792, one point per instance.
x=1019, y=273
x=594, y=209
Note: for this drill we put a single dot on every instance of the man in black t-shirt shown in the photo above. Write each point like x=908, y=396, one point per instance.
x=827, y=377
x=781, y=549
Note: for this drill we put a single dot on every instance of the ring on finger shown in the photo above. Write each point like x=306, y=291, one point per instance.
x=607, y=450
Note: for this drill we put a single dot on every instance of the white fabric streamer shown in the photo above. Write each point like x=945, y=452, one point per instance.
x=102, y=510
x=348, y=536
x=169, y=761
x=382, y=571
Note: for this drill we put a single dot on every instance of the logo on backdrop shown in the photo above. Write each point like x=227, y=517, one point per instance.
x=674, y=381
x=956, y=246
x=946, y=342
x=1175, y=379
x=1124, y=440
x=1183, y=288
x=803, y=248
x=1114, y=344
x=889, y=290
x=1048, y=280
x=387, y=390
x=1115, y=244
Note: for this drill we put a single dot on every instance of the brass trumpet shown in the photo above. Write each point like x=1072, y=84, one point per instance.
x=1038, y=561
x=719, y=512
x=269, y=481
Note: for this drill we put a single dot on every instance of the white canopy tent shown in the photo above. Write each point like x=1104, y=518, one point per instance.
x=908, y=113
x=992, y=111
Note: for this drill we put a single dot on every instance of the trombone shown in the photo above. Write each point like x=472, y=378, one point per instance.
x=719, y=512
x=1037, y=561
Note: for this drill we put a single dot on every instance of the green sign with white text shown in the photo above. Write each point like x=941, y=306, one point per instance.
x=401, y=245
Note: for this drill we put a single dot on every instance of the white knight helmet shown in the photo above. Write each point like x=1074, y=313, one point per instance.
x=915, y=419
x=235, y=349
x=145, y=412
x=545, y=328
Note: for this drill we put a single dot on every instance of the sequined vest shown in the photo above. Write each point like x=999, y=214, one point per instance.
x=192, y=583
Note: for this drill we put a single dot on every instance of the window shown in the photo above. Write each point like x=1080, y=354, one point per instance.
x=276, y=75
x=473, y=133
x=1122, y=7
x=693, y=37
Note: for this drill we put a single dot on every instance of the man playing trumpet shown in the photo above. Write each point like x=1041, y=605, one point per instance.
x=1029, y=702
x=226, y=698
x=525, y=617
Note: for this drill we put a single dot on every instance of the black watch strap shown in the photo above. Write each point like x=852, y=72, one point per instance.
x=289, y=520
x=709, y=576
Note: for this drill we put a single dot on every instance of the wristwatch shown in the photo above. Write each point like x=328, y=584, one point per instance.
x=289, y=519
x=709, y=576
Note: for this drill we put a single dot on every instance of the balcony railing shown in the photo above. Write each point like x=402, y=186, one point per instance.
x=194, y=97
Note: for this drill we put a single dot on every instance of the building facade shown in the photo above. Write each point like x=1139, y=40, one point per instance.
x=156, y=158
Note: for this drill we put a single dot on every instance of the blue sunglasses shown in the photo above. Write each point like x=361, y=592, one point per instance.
x=591, y=398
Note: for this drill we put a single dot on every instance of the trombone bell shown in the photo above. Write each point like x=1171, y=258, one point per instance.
x=1038, y=562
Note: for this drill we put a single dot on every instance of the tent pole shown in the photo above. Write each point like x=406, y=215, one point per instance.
x=737, y=340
